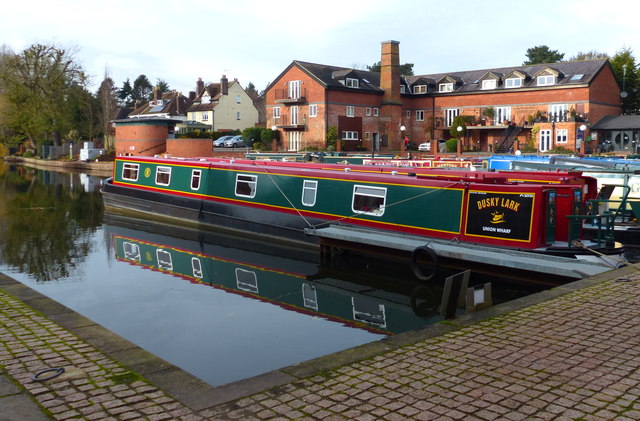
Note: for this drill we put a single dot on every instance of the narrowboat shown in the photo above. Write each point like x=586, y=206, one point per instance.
x=290, y=200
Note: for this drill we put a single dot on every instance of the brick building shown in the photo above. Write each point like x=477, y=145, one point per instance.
x=541, y=106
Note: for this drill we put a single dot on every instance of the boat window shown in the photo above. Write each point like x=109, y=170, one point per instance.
x=195, y=179
x=164, y=259
x=197, y=267
x=130, y=171
x=131, y=251
x=309, y=296
x=309, y=190
x=163, y=175
x=369, y=200
x=246, y=280
x=246, y=185
x=368, y=311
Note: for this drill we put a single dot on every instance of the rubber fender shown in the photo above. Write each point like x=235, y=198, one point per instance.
x=415, y=268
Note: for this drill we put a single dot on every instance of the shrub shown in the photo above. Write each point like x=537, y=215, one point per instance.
x=452, y=145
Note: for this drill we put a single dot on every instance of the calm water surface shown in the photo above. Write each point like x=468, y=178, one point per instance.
x=220, y=307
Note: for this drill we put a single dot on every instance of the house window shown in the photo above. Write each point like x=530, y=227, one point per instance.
x=276, y=112
x=350, y=110
x=237, y=99
x=367, y=135
x=402, y=90
x=561, y=135
x=196, y=175
x=313, y=110
x=238, y=115
x=309, y=191
x=558, y=112
x=352, y=83
x=513, y=82
x=294, y=114
x=449, y=114
x=375, y=112
x=130, y=172
x=408, y=113
x=489, y=84
x=420, y=89
x=419, y=115
x=196, y=267
x=368, y=111
x=246, y=185
x=294, y=89
x=349, y=135
x=546, y=80
x=502, y=114
x=163, y=176
x=445, y=87
x=368, y=200
x=205, y=116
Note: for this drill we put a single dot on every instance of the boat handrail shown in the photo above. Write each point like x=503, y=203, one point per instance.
x=604, y=232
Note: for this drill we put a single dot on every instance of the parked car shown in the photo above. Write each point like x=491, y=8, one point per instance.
x=425, y=147
x=219, y=143
x=234, y=142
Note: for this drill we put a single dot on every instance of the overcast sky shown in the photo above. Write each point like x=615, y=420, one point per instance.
x=254, y=40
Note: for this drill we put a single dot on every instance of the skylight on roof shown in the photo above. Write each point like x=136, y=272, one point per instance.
x=577, y=77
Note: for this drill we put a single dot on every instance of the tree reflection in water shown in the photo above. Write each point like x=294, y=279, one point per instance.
x=47, y=220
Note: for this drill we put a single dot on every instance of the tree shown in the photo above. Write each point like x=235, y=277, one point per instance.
x=406, y=69
x=628, y=74
x=40, y=84
x=542, y=54
x=125, y=92
x=162, y=85
x=108, y=104
x=142, y=89
x=589, y=55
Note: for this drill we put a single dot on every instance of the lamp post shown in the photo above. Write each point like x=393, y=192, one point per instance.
x=402, y=140
x=583, y=128
x=274, y=143
x=460, y=141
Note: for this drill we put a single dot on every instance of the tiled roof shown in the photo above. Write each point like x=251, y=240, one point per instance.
x=330, y=76
x=173, y=104
x=622, y=122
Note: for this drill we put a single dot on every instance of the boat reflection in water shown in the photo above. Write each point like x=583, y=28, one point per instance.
x=285, y=277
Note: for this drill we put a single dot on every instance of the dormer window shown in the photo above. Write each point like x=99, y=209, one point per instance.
x=352, y=83
x=422, y=89
x=489, y=84
x=546, y=80
x=513, y=82
x=402, y=90
x=445, y=87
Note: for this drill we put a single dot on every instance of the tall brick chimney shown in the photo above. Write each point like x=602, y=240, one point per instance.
x=224, y=85
x=199, y=86
x=390, y=72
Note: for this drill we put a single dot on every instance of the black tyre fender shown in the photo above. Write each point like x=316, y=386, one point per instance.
x=415, y=267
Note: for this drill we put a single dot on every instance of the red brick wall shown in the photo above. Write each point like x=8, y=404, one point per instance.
x=190, y=147
x=140, y=147
x=141, y=132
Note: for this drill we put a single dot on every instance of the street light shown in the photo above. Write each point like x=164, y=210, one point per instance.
x=460, y=140
x=581, y=147
x=274, y=144
x=402, y=142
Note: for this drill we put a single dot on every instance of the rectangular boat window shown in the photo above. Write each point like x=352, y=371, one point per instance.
x=164, y=259
x=309, y=190
x=246, y=280
x=309, y=296
x=163, y=175
x=197, y=267
x=130, y=171
x=246, y=185
x=195, y=179
x=369, y=200
x=367, y=311
x=131, y=251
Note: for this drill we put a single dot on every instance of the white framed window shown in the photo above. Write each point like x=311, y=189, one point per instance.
x=368, y=200
x=309, y=296
x=402, y=89
x=420, y=89
x=130, y=171
x=196, y=267
x=313, y=110
x=419, y=115
x=445, y=87
x=131, y=251
x=562, y=135
x=196, y=176
x=163, y=176
x=375, y=112
x=294, y=89
x=293, y=112
x=557, y=112
x=309, y=192
x=246, y=185
x=349, y=135
x=489, y=84
x=351, y=111
x=276, y=112
x=352, y=83
x=502, y=114
x=205, y=116
x=368, y=111
x=237, y=99
x=513, y=82
x=238, y=115
x=546, y=80
x=449, y=114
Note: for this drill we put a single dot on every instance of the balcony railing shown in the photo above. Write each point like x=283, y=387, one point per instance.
x=285, y=97
x=284, y=122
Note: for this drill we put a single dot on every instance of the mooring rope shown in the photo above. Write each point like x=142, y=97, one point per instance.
x=579, y=244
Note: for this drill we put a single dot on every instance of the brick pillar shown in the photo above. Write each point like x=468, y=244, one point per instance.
x=391, y=105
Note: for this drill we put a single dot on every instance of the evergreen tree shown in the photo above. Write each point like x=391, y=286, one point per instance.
x=542, y=54
x=628, y=74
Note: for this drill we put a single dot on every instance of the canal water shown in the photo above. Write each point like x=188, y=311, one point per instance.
x=221, y=307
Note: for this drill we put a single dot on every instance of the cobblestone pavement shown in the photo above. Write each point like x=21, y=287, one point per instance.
x=573, y=356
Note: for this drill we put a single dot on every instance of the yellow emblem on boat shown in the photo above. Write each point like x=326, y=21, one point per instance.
x=147, y=172
x=497, y=218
